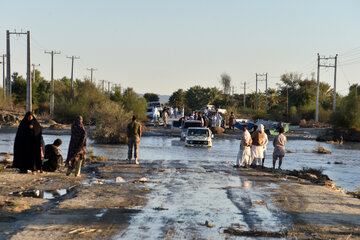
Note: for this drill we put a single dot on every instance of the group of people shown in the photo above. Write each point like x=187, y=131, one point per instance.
x=31, y=153
x=253, y=148
x=165, y=114
x=208, y=119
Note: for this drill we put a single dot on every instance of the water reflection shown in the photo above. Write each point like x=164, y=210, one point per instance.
x=224, y=152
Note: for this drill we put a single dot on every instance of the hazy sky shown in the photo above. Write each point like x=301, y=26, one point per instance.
x=163, y=45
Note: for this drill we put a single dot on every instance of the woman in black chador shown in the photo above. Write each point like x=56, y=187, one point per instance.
x=28, y=145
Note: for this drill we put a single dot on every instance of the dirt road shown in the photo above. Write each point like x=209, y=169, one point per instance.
x=180, y=200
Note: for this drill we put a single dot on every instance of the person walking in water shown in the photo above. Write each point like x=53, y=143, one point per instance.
x=279, y=147
x=28, y=149
x=244, y=154
x=134, y=135
x=77, y=147
x=266, y=141
x=257, y=149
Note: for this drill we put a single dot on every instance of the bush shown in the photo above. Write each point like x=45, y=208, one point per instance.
x=347, y=115
x=111, y=120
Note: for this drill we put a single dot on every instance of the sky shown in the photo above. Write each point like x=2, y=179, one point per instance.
x=160, y=46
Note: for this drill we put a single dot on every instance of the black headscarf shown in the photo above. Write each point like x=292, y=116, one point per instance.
x=77, y=146
x=28, y=141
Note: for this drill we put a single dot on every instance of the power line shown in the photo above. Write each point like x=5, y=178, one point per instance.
x=52, y=80
x=326, y=65
x=92, y=70
x=72, y=69
x=33, y=77
x=266, y=78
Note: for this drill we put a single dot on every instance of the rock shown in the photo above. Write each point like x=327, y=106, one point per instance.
x=119, y=180
x=217, y=130
x=143, y=179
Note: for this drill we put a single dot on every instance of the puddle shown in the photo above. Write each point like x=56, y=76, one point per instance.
x=44, y=194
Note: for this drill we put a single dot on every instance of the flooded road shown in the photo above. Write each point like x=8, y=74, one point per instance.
x=224, y=152
x=186, y=195
x=196, y=192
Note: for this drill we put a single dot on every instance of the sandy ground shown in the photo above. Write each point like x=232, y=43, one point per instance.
x=97, y=207
x=77, y=214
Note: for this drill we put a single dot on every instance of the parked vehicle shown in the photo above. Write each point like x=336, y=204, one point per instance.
x=186, y=125
x=240, y=123
x=198, y=137
x=274, y=128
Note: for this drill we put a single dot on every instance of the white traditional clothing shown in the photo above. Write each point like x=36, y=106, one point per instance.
x=155, y=114
x=244, y=154
x=218, y=120
x=257, y=149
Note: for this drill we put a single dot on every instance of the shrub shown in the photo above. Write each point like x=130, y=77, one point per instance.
x=111, y=120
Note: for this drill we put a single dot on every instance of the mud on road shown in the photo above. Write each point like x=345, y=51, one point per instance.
x=180, y=200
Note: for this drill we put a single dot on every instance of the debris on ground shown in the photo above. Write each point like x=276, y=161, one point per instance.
x=320, y=149
x=257, y=233
x=262, y=202
x=161, y=208
x=141, y=180
x=208, y=224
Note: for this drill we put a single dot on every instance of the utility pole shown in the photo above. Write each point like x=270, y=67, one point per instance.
x=72, y=70
x=33, y=77
x=8, y=71
x=102, y=85
x=28, y=69
x=91, y=70
x=334, y=99
x=317, y=89
x=257, y=80
x=326, y=65
x=28, y=77
x=256, y=100
x=287, y=103
x=4, y=79
x=266, y=91
x=232, y=96
x=109, y=85
x=52, y=81
x=244, y=94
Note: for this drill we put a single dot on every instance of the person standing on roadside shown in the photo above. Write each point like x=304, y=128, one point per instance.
x=28, y=145
x=279, y=147
x=134, y=134
x=77, y=147
x=244, y=154
x=232, y=121
x=165, y=116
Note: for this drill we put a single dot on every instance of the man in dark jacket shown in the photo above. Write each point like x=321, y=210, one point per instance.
x=53, y=156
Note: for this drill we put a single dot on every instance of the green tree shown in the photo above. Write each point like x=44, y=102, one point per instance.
x=18, y=89
x=151, y=97
x=135, y=104
x=177, y=98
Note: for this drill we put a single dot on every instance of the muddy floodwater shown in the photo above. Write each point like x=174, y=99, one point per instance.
x=342, y=166
x=197, y=194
